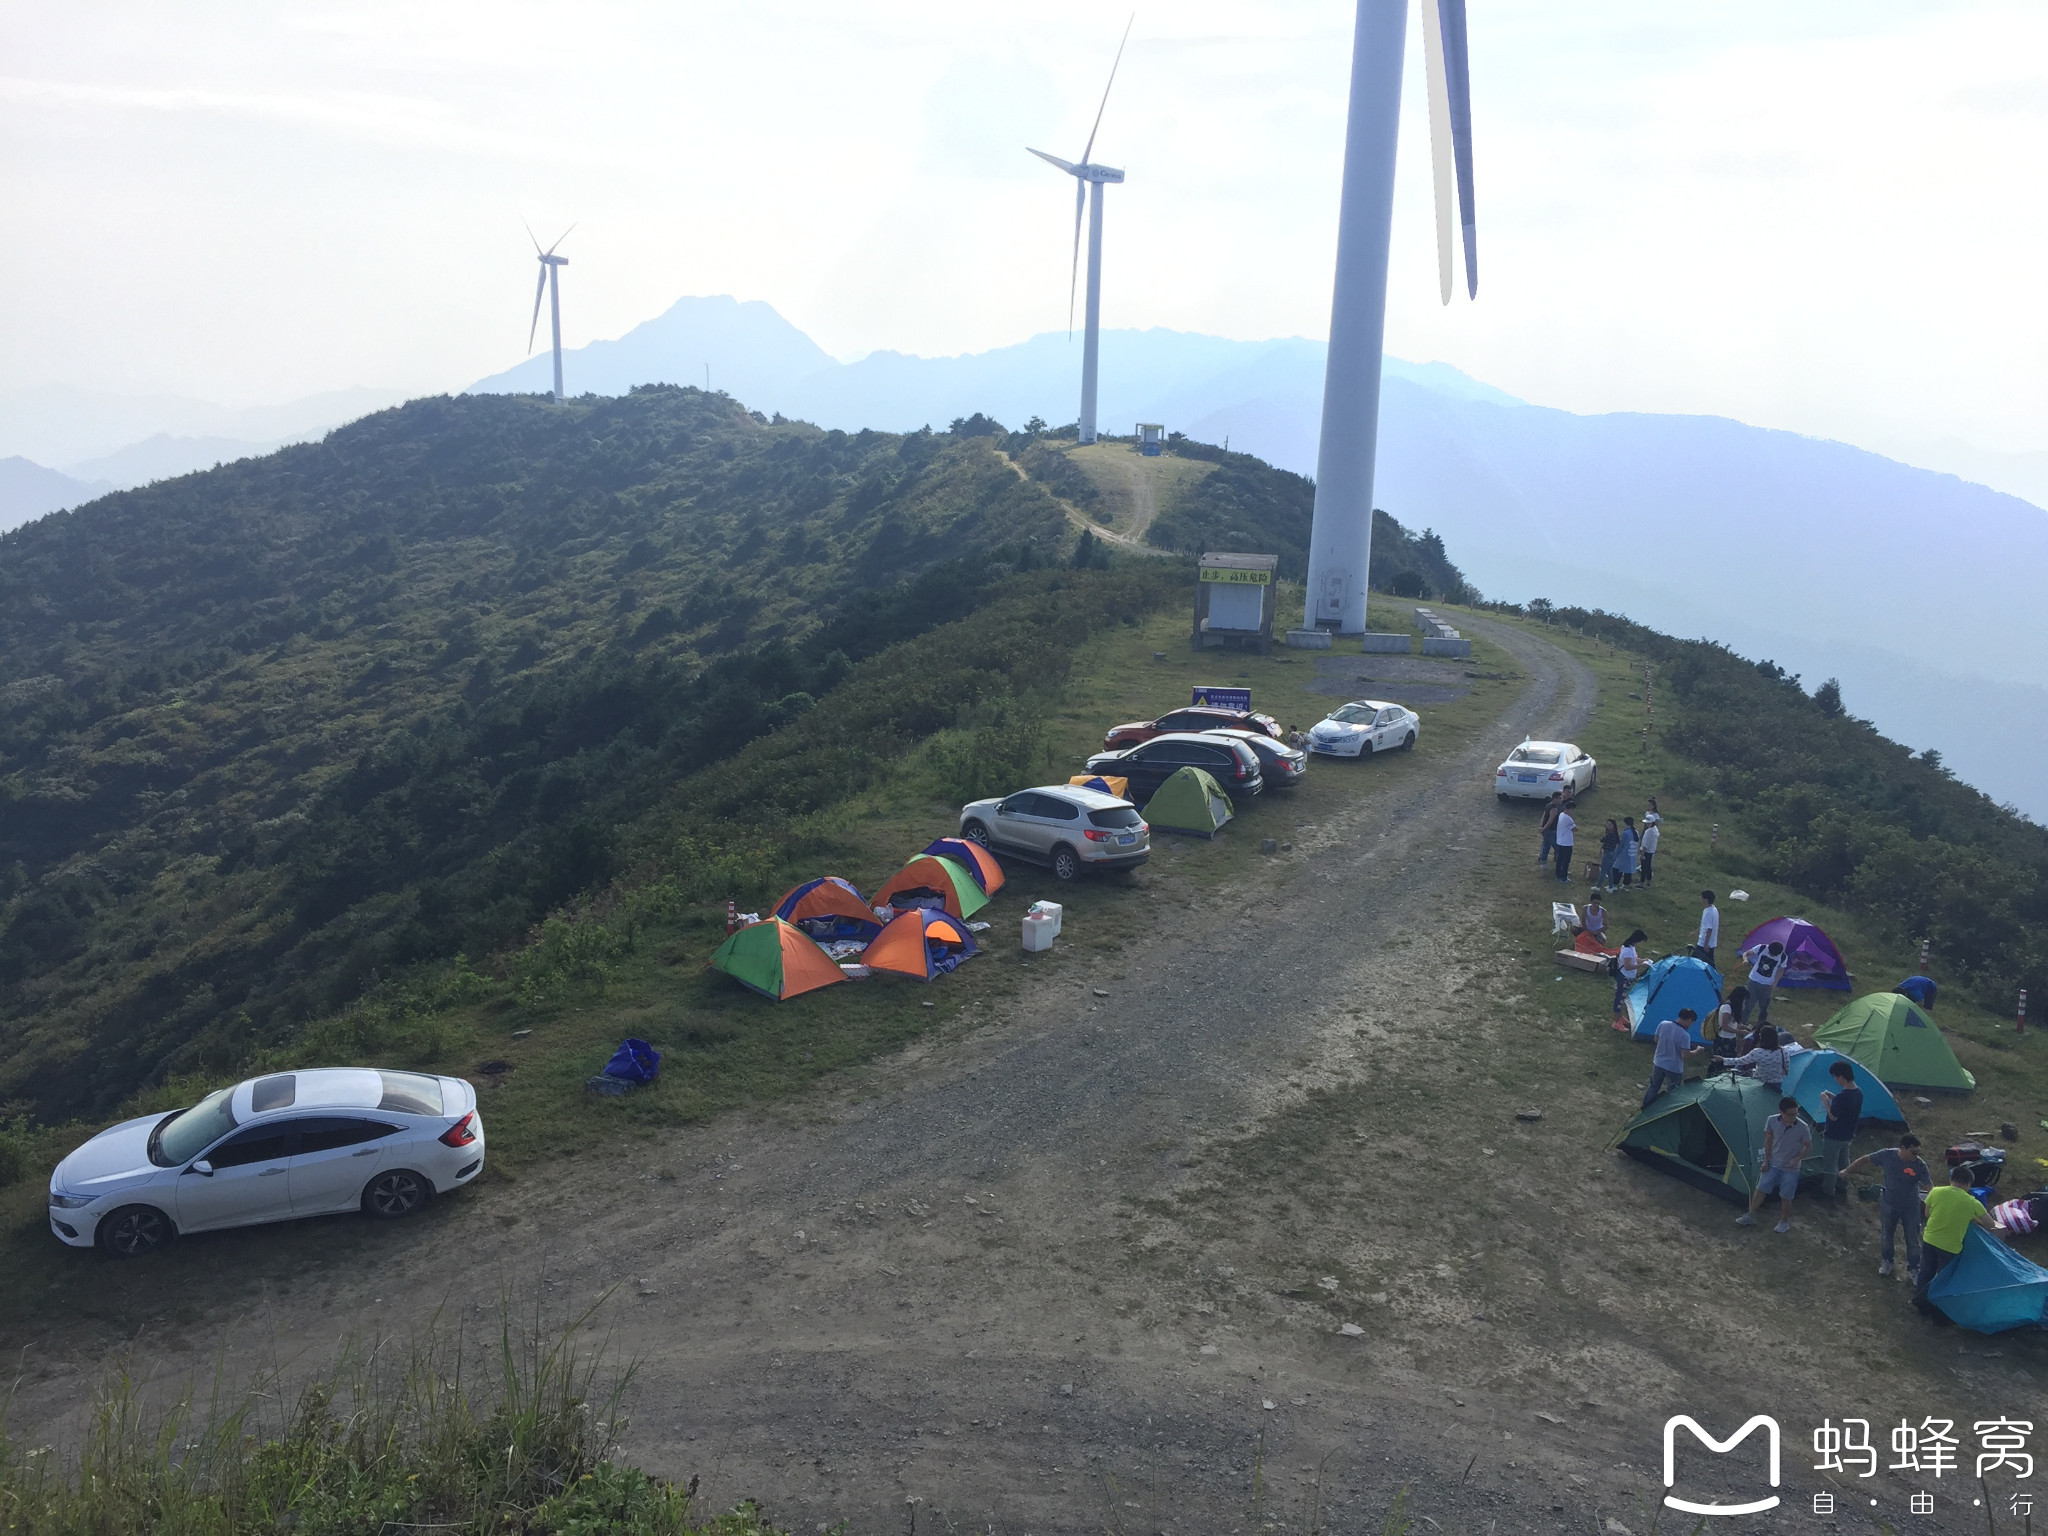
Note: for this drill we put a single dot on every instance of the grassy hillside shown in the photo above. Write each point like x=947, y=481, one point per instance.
x=270, y=732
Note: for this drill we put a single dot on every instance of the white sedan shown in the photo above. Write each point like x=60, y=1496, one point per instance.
x=291, y=1144
x=1364, y=727
x=1536, y=770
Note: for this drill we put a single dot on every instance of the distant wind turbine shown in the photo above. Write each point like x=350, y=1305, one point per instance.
x=551, y=287
x=1340, y=536
x=1086, y=174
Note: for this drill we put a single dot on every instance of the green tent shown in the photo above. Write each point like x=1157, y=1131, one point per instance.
x=1190, y=801
x=1709, y=1133
x=1892, y=1036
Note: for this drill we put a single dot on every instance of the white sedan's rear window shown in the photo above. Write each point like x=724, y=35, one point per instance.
x=1542, y=755
x=410, y=1093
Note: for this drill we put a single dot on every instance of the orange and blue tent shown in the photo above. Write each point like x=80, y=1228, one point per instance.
x=776, y=960
x=828, y=908
x=932, y=881
x=973, y=858
x=1103, y=784
x=923, y=943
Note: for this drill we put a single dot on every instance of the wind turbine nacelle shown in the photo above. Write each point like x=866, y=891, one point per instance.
x=1099, y=173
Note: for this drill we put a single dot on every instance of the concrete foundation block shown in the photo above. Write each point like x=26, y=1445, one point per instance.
x=1389, y=644
x=1461, y=649
x=1308, y=639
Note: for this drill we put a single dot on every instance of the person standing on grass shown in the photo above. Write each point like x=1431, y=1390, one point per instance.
x=1710, y=928
x=1628, y=965
x=1667, y=1063
x=1844, y=1104
x=1906, y=1179
x=1625, y=858
x=1951, y=1211
x=1562, y=835
x=1728, y=1024
x=1653, y=832
x=1552, y=809
x=1610, y=846
x=1787, y=1140
x=1766, y=970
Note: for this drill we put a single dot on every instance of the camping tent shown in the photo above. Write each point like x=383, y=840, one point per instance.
x=776, y=960
x=1675, y=982
x=829, y=908
x=929, y=880
x=1709, y=1133
x=1103, y=783
x=1890, y=1035
x=921, y=942
x=1189, y=801
x=1811, y=959
x=972, y=857
x=1808, y=1077
x=1989, y=1288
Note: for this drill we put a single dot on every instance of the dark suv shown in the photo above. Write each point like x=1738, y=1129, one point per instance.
x=1150, y=764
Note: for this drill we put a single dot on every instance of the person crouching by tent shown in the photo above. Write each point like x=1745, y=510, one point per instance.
x=1766, y=1061
x=1628, y=965
x=1951, y=1211
x=1766, y=968
x=1667, y=1062
x=1906, y=1179
x=1844, y=1104
x=1552, y=809
x=1787, y=1140
x=1625, y=857
x=1921, y=989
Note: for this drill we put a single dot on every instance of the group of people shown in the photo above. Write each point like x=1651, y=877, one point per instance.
x=1627, y=856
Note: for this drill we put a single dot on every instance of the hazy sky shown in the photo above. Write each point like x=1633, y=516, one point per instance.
x=1826, y=215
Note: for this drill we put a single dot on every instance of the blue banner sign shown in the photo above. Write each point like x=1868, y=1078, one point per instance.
x=1223, y=698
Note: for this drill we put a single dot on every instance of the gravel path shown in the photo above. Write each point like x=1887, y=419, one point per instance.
x=956, y=1290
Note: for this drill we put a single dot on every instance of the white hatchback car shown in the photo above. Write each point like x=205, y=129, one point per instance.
x=1536, y=770
x=291, y=1144
x=1362, y=728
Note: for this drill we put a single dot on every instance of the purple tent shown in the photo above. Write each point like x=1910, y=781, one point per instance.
x=1811, y=959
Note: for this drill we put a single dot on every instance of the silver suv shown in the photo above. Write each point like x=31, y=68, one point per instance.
x=1062, y=826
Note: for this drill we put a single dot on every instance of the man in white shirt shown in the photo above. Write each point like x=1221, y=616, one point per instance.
x=1565, y=830
x=1766, y=966
x=1653, y=833
x=1710, y=928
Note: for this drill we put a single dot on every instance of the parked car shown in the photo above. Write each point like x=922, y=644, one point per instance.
x=1062, y=826
x=1196, y=717
x=269, y=1149
x=1536, y=770
x=1364, y=727
x=1282, y=766
x=1150, y=764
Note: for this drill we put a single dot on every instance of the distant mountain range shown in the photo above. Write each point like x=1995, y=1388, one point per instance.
x=1910, y=585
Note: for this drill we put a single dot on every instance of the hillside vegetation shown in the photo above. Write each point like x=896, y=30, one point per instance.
x=271, y=731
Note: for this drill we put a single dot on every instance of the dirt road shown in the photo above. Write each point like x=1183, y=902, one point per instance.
x=1089, y=1267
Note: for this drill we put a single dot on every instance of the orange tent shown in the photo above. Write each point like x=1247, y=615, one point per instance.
x=929, y=876
x=921, y=943
x=830, y=908
x=776, y=960
x=972, y=857
x=1120, y=787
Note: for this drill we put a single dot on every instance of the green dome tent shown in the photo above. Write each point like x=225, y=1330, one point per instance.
x=1190, y=801
x=1893, y=1037
x=1709, y=1133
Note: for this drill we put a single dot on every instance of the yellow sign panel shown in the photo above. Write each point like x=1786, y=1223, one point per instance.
x=1253, y=578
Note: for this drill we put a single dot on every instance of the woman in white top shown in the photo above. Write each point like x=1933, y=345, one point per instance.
x=1646, y=844
x=1627, y=967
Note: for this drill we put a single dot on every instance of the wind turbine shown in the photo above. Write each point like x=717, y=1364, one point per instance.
x=1086, y=174
x=1340, y=535
x=551, y=286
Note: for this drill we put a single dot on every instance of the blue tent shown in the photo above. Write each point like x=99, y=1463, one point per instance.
x=1991, y=1288
x=1807, y=1078
x=1675, y=982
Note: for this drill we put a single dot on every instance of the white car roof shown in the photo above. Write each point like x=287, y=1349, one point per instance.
x=1366, y=704
x=1547, y=746
x=320, y=1088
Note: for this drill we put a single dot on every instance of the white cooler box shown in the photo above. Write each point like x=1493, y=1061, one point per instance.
x=1041, y=926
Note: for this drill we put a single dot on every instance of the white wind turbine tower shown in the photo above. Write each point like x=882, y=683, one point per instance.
x=1340, y=537
x=551, y=288
x=1087, y=175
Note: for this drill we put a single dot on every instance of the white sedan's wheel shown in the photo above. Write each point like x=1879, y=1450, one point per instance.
x=397, y=1193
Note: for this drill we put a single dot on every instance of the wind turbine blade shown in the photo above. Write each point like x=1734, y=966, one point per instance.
x=539, y=293
x=531, y=236
x=1105, y=90
x=1073, y=281
x=1443, y=176
x=564, y=235
x=1066, y=165
x=1458, y=72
